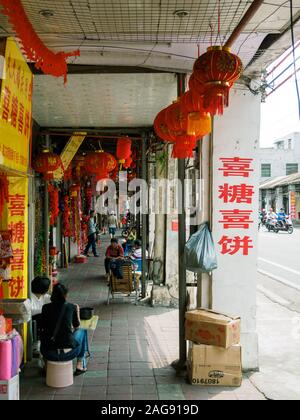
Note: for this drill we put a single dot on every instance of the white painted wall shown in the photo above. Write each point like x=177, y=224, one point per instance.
x=234, y=283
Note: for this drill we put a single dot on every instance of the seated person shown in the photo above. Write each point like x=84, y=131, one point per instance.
x=129, y=239
x=137, y=253
x=39, y=297
x=62, y=339
x=114, y=257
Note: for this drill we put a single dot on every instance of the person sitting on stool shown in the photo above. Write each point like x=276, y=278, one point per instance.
x=114, y=257
x=62, y=339
x=39, y=297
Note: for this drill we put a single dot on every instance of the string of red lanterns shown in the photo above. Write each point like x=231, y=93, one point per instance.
x=189, y=118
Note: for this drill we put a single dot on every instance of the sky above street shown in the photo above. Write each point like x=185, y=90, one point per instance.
x=280, y=114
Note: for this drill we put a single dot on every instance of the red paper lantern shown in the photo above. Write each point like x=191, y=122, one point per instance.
x=184, y=146
x=47, y=163
x=216, y=71
x=100, y=164
x=176, y=118
x=128, y=163
x=161, y=129
x=123, y=149
x=191, y=102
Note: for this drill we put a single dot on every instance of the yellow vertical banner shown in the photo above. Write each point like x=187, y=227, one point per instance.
x=17, y=222
x=15, y=107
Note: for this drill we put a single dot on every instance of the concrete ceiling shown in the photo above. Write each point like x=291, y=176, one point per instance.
x=102, y=100
x=142, y=34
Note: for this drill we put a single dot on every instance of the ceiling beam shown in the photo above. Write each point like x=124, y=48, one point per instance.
x=99, y=69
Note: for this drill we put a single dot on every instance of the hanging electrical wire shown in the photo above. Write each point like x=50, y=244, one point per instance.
x=294, y=54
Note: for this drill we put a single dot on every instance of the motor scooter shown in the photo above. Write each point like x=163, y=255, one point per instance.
x=284, y=225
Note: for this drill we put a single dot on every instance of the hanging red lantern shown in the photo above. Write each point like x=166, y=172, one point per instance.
x=123, y=149
x=47, y=163
x=4, y=183
x=161, y=129
x=176, y=119
x=197, y=89
x=100, y=164
x=216, y=71
x=183, y=147
x=128, y=163
x=190, y=102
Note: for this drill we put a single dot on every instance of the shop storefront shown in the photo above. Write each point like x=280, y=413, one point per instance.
x=15, y=145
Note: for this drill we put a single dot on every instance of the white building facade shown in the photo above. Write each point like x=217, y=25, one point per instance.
x=281, y=160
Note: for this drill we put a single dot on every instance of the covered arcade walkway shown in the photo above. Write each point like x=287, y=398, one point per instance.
x=132, y=349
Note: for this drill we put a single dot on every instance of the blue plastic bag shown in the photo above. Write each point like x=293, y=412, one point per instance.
x=200, y=252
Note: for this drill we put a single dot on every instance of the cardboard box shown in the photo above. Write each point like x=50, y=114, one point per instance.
x=214, y=366
x=212, y=328
x=10, y=390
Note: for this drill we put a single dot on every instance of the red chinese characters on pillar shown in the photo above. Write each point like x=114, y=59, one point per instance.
x=236, y=193
x=234, y=245
x=236, y=167
x=237, y=218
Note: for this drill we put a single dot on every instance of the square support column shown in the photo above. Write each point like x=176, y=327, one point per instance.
x=235, y=220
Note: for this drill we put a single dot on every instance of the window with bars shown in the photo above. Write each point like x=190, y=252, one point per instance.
x=266, y=170
x=292, y=168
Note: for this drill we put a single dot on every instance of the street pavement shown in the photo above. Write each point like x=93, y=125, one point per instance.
x=278, y=316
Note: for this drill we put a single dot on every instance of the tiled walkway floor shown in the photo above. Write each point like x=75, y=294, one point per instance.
x=132, y=349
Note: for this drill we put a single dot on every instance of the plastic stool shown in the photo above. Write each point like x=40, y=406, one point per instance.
x=59, y=374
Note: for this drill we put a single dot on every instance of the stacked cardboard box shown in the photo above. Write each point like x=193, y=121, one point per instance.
x=215, y=355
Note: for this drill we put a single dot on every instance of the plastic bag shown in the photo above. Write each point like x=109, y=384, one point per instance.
x=200, y=252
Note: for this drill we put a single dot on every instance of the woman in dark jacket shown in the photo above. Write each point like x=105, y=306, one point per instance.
x=62, y=340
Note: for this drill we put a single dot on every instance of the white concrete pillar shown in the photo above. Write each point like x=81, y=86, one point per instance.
x=279, y=199
x=236, y=135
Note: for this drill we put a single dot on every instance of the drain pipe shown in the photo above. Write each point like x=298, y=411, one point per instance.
x=244, y=21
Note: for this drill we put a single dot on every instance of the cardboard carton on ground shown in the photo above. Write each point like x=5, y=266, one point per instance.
x=215, y=366
x=10, y=390
x=212, y=328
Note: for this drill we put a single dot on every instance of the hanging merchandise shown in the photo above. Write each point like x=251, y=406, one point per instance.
x=216, y=71
x=100, y=164
x=123, y=149
x=66, y=228
x=78, y=164
x=33, y=47
x=47, y=163
x=4, y=183
x=68, y=174
x=88, y=198
x=53, y=204
x=75, y=195
x=6, y=255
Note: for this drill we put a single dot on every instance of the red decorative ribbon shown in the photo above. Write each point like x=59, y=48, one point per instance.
x=35, y=50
